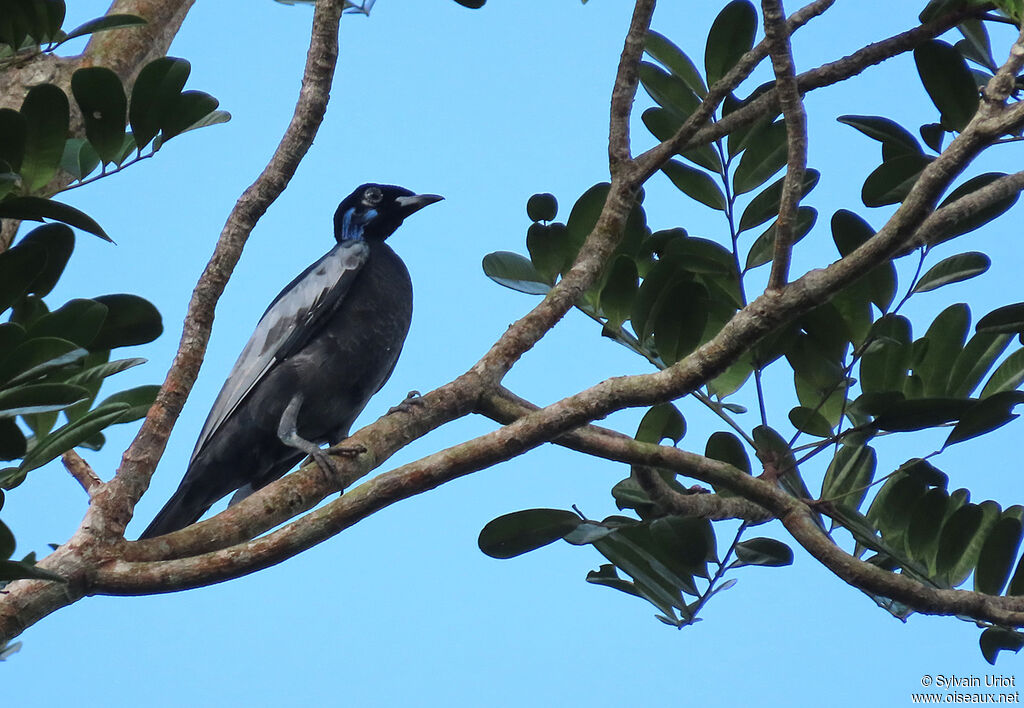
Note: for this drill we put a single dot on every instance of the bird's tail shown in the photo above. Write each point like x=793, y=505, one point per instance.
x=180, y=511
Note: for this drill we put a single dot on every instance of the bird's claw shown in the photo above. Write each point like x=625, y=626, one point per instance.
x=412, y=399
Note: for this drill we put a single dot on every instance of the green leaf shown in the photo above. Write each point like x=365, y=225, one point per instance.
x=95, y=374
x=996, y=639
x=690, y=541
x=515, y=272
x=884, y=365
x=810, y=421
x=679, y=315
x=660, y=578
x=849, y=473
x=974, y=362
x=668, y=91
x=997, y=555
x=619, y=290
x=676, y=61
x=139, y=399
x=100, y=24
x=891, y=181
x=976, y=45
x=77, y=321
x=849, y=231
x=954, y=269
x=17, y=570
x=695, y=183
x=763, y=249
x=1009, y=318
x=583, y=218
x=945, y=340
x=885, y=131
x=69, y=436
x=762, y=551
x=12, y=441
x=39, y=398
x=55, y=242
x=549, y=249
x=12, y=137
x=663, y=124
x=948, y=82
x=185, y=113
x=19, y=267
x=516, y=533
x=155, y=91
x=79, y=158
x=977, y=219
x=38, y=208
x=100, y=96
x=763, y=158
x=765, y=205
x=932, y=134
x=1007, y=377
x=660, y=422
x=920, y=413
x=542, y=207
x=961, y=540
x=727, y=448
x=130, y=320
x=730, y=37
x=46, y=113
x=35, y=357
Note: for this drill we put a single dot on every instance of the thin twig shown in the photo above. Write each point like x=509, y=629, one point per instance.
x=81, y=471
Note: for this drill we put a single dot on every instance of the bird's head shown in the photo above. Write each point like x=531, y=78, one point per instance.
x=374, y=211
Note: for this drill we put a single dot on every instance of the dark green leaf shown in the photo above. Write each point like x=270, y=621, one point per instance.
x=996, y=639
x=139, y=399
x=763, y=551
x=56, y=242
x=763, y=248
x=12, y=138
x=183, y=114
x=515, y=272
x=810, y=421
x=673, y=58
x=130, y=320
x=39, y=398
x=932, y=134
x=961, y=539
x=885, y=131
x=548, y=249
x=660, y=422
x=765, y=205
x=945, y=340
x=19, y=267
x=12, y=441
x=107, y=22
x=921, y=413
x=973, y=219
x=954, y=269
x=663, y=124
x=542, y=207
x=849, y=473
x=583, y=217
x=513, y=534
x=38, y=208
x=679, y=315
x=79, y=158
x=619, y=290
x=985, y=416
x=155, y=91
x=997, y=555
x=976, y=45
x=695, y=183
x=726, y=447
x=46, y=113
x=668, y=91
x=690, y=541
x=730, y=37
x=974, y=362
x=77, y=321
x=1009, y=318
x=100, y=96
x=884, y=365
x=1007, y=377
x=16, y=570
x=948, y=82
x=37, y=356
x=892, y=180
x=71, y=435
x=762, y=158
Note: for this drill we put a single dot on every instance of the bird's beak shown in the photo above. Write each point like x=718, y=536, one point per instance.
x=411, y=205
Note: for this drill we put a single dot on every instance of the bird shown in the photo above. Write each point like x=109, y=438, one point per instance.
x=325, y=345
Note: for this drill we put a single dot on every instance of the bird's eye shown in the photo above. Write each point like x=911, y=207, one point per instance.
x=372, y=196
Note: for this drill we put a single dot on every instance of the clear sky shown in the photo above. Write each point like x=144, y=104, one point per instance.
x=485, y=107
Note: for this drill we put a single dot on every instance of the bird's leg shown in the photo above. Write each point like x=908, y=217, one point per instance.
x=412, y=399
x=288, y=433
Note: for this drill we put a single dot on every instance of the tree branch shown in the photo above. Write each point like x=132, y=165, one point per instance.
x=777, y=36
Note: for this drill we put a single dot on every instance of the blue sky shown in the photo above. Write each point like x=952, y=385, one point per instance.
x=484, y=107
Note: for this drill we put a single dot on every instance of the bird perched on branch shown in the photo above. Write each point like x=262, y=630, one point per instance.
x=326, y=344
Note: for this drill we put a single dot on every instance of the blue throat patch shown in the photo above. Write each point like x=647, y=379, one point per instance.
x=353, y=227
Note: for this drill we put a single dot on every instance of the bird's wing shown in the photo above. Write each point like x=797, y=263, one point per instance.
x=292, y=318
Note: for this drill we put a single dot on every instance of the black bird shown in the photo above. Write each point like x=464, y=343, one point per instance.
x=326, y=344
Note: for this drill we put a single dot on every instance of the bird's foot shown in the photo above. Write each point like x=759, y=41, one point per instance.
x=412, y=400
